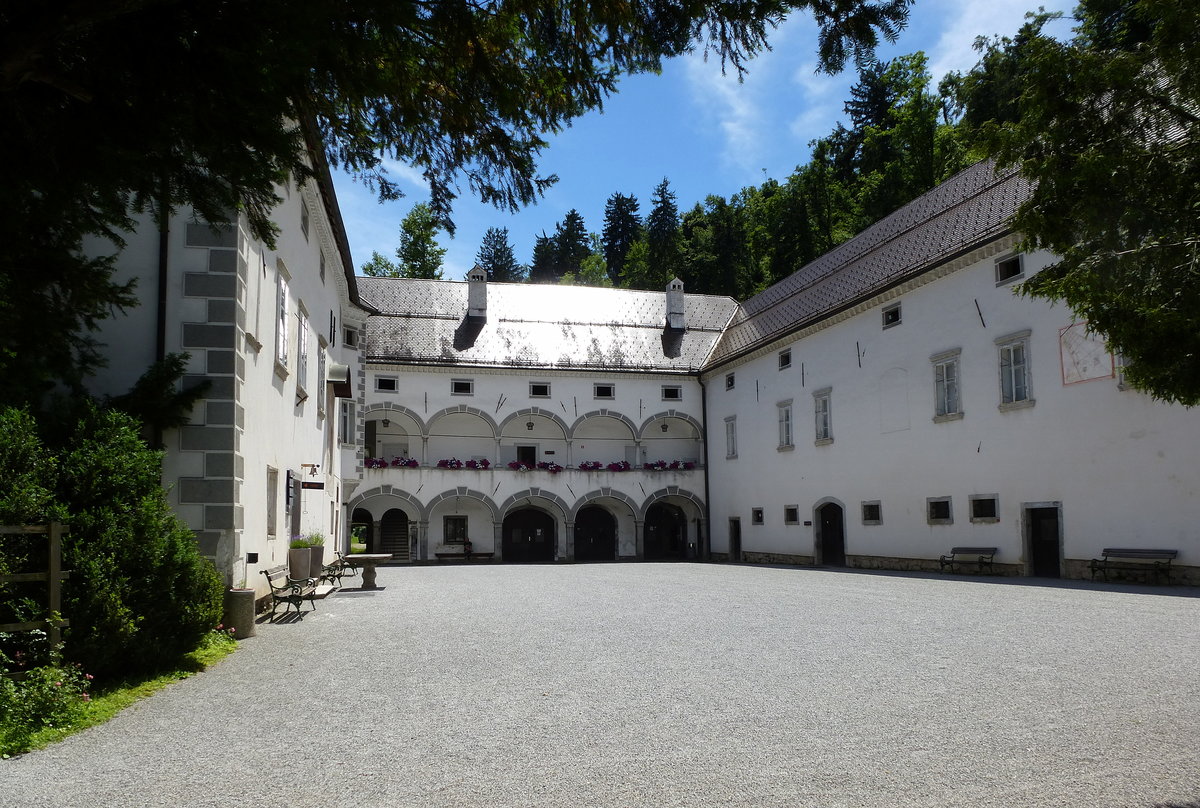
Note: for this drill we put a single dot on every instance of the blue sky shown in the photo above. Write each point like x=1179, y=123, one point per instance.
x=707, y=133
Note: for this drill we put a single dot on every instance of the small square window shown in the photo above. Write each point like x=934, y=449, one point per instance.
x=985, y=508
x=672, y=392
x=462, y=387
x=939, y=511
x=539, y=390
x=891, y=315
x=785, y=359
x=1009, y=269
x=387, y=384
x=791, y=514
x=756, y=516
x=729, y=381
x=872, y=513
x=604, y=391
x=350, y=338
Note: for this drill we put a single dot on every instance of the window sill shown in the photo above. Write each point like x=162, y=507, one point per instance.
x=281, y=370
x=255, y=345
x=872, y=521
x=787, y=447
x=950, y=416
x=985, y=520
x=940, y=521
x=822, y=441
x=731, y=457
x=1018, y=405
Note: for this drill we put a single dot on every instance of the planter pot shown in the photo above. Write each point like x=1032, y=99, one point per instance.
x=239, y=612
x=299, y=562
x=316, y=561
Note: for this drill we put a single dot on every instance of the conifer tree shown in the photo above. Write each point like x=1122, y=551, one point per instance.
x=622, y=227
x=496, y=257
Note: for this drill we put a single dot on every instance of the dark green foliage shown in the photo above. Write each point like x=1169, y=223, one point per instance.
x=571, y=244
x=419, y=255
x=1107, y=127
x=155, y=398
x=542, y=267
x=112, y=108
x=379, y=267
x=497, y=259
x=662, y=239
x=622, y=227
x=139, y=594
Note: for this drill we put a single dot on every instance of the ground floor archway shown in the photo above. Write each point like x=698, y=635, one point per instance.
x=362, y=528
x=393, y=534
x=528, y=535
x=665, y=533
x=831, y=520
x=595, y=535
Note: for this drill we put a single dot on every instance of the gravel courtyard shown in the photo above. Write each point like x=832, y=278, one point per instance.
x=669, y=685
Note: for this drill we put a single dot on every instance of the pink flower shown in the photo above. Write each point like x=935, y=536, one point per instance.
x=58, y=684
x=88, y=676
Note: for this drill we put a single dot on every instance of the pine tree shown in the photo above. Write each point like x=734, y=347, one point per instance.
x=541, y=268
x=496, y=257
x=571, y=244
x=622, y=227
x=662, y=234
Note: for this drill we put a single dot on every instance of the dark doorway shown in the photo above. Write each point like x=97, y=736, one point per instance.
x=362, y=529
x=665, y=533
x=1045, y=547
x=528, y=536
x=735, y=539
x=527, y=455
x=595, y=535
x=833, y=535
x=393, y=534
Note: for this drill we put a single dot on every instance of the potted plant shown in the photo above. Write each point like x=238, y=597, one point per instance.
x=299, y=558
x=316, y=555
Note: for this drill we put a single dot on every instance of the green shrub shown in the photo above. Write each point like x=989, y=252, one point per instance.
x=48, y=696
x=140, y=594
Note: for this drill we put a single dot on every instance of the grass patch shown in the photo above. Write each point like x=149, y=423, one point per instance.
x=106, y=700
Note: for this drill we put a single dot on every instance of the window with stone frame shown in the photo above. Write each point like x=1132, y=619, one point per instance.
x=454, y=529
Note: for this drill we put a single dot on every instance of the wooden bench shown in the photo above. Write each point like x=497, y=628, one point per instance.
x=464, y=556
x=981, y=557
x=1134, y=559
x=339, y=568
x=292, y=591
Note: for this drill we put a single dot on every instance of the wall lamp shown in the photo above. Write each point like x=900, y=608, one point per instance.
x=664, y=426
x=529, y=425
x=386, y=422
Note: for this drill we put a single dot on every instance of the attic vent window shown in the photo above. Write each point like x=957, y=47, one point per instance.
x=462, y=387
x=604, y=391
x=387, y=384
x=891, y=315
x=1009, y=269
x=785, y=359
x=350, y=338
x=729, y=380
x=672, y=392
x=539, y=390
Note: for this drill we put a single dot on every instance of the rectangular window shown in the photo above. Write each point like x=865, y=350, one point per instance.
x=346, y=422
x=785, y=424
x=985, y=508
x=350, y=338
x=322, y=267
x=462, y=387
x=281, y=319
x=731, y=436
x=785, y=359
x=604, y=391
x=823, y=416
x=332, y=330
x=387, y=384
x=539, y=389
x=1014, y=369
x=272, y=501
x=302, y=351
x=729, y=381
x=1009, y=269
x=454, y=529
x=891, y=315
x=304, y=218
x=946, y=401
x=939, y=511
x=756, y=516
x=321, y=392
x=872, y=513
x=791, y=514
x=672, y=392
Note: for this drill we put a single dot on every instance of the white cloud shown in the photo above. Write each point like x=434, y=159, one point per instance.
x=954, y=49
x=729, y=104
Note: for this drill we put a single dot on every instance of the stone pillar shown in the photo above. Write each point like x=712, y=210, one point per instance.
x=639, y=539
x=376, y=536
x=423, y=541
x=570, y=540
x=424, y=450
x=498, y=539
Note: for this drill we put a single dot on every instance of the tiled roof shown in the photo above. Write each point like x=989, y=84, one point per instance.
x=533, y=325
x=969, y=209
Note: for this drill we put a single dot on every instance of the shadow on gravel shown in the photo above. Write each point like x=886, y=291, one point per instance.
x=1177, y=591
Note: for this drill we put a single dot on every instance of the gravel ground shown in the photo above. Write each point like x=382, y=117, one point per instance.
x=669, y=685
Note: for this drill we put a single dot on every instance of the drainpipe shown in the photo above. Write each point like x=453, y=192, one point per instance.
x=164, y=245
x=706, y=543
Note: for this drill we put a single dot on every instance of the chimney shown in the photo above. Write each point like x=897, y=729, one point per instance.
x=477, y=294
x=675, y=306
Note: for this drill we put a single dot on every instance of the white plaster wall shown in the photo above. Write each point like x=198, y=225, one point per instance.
x=1121, y=465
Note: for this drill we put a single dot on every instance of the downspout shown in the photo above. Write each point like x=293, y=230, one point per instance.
x=706, y=542
x=164, y=244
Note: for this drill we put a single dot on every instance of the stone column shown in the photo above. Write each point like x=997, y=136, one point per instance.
x=423, y=541
x=639, y=539
x=376, y=536
x=570, y=539
x=498, y=538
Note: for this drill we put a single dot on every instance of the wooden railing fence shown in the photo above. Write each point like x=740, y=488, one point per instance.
x=53, y=576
